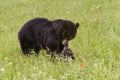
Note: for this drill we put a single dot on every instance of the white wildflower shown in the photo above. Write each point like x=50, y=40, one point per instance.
x=5, y=58
x=34, y=67
x=2, y=69
x=10, y=63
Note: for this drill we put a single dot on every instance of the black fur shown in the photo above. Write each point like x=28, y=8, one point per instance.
x=41, y=33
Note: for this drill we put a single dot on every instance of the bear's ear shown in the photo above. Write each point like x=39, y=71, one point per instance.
x=77, y=25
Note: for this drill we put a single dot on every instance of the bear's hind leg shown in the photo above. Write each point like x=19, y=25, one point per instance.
x=26, y=47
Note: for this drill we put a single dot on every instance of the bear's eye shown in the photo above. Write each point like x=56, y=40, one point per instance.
x=69, y=36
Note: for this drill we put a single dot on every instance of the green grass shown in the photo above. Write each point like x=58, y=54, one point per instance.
x=96, y=46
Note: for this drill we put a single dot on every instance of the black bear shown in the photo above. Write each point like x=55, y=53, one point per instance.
x=41, y=33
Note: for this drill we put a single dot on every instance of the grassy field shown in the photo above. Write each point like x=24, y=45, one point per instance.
x=96, y=46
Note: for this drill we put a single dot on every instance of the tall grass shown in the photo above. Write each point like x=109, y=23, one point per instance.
x=96, y=46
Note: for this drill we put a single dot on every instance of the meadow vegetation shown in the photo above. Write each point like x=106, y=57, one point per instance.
x=96, y=46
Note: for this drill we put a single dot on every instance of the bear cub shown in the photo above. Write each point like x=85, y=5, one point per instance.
x=51, y=35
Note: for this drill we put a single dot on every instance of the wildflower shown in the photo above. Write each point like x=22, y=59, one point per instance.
x=2, y=69
x=81, y=64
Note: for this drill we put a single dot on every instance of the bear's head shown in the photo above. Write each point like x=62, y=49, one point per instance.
x=67, y=31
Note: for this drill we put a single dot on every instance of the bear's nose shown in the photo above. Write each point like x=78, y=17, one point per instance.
x=65, y=42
